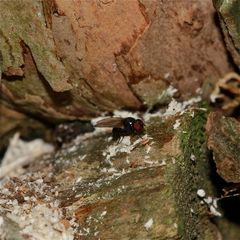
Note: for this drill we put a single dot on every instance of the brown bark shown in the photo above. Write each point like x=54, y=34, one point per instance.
x=228, y=12
x=224, y=140
x=75, y=59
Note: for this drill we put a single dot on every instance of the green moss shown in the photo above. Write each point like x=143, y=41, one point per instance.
x=191, y=176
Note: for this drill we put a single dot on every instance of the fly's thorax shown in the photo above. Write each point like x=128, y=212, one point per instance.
x=128, y=125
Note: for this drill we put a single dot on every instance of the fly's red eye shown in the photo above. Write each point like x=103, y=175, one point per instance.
x=138, y=126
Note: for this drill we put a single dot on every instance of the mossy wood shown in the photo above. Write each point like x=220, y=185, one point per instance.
x=145, y=192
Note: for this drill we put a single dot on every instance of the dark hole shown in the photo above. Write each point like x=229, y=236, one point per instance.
x=229, y=206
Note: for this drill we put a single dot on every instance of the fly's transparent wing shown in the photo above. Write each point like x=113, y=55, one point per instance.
x=110, y=122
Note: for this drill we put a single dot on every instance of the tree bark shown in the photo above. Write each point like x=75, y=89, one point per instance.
x=133, y=192
x=75, y=59
x=228, y=12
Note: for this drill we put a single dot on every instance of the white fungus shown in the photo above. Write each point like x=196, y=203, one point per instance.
x=210, y=202
x=177, y=124
x=201, y=193
x=148, y=224
x=193, y=157
x=103, y=213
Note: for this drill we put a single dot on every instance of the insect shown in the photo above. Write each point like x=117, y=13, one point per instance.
x=122, y=126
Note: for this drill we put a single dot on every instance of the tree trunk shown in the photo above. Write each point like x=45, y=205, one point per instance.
x=75, y=59
x=117, y=191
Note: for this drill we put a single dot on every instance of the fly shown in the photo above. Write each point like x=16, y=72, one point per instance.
x=122, y=126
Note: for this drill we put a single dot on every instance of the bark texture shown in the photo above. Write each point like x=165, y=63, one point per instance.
x=76, y=59
x=224, y=140
x=12, y=121
x=117, y=191
x=229, y=16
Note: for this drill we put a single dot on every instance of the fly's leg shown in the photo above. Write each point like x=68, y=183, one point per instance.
x=120, y=139
x=118, y=134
